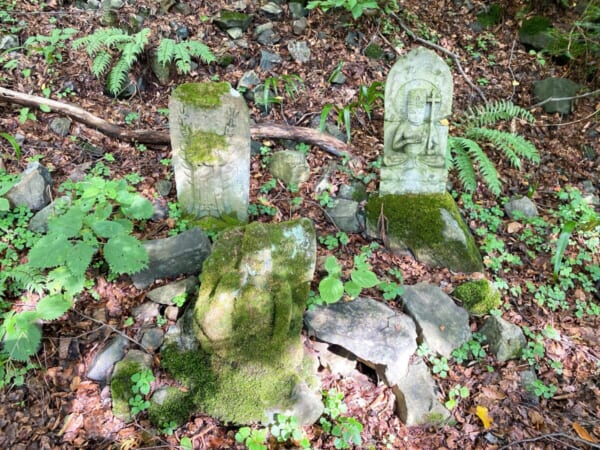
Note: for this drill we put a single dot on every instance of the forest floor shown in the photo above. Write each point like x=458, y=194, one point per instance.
x=58, y=407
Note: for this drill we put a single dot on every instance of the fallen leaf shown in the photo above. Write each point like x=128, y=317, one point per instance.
x=583, y=433
x=483, y=414
x=514, y=227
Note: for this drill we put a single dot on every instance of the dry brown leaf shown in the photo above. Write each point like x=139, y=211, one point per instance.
x=514, y=227
x=583, y=433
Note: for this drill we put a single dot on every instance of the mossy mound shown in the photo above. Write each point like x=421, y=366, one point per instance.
x=427, y=225
x=478, y=296
x=202, y=95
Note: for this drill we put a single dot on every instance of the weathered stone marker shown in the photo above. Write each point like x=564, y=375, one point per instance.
x=413, y=212
x=418, y=98
x=210, y=137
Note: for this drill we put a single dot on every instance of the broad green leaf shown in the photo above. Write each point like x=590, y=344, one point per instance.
x=68, y=224
x=52, y=307
x=125, y=254
x=4, y=204
x=331, y=289
x=50, y=251
x=352, y=289
x=332, y=266
x=107, y=228
x=13, y=142
x=139, y=208
x=80, y=258
x=561, y=245
x=364, y=278
x=23, y=336
x=62, y=279
x=186, y=443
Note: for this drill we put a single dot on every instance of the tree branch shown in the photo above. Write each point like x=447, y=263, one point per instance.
x=273, y=131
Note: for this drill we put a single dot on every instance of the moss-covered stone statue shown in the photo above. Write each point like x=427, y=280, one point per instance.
x=210, y=135
x=413, y=212
x=248, y=362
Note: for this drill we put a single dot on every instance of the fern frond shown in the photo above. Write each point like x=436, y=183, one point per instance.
x=183, y=59
x=493, y=112
x=512, y=145
x=462, y=163
x=465, y=162
x=200, y=50
x=166, y=51
x=117, y=77
x=132, y=49
x=101, y=64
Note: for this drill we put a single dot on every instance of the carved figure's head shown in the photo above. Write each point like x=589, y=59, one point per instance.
x=416, y=105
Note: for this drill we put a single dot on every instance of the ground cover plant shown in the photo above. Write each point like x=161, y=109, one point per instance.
x=62, y=295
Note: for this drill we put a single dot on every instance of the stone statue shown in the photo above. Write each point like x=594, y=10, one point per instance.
x=418, y=98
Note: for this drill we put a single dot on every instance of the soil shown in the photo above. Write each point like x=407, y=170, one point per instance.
x=58, y=407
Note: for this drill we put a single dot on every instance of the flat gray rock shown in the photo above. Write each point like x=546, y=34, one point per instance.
x=172, y=256
x=104, y=360
x=417, y=397
x=442, y=325
x=506, y=340
x=165, y=294
x=32, y=190
x=345, y=215
x=523, y=206
x=382, y=338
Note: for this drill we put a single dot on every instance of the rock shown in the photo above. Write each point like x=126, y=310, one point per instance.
x=299, y=26
x=297, y=10
x=248, y=81
x=479, y=297
x=33, y=189
x=345, y=215
x=273, y=10
x=164, y=295
x=171, y=313
x=153, y=338
x=528, y=378
x=290, y=167
x=120, y=382
x=299, y=51
x=334, y=358
x=428, y=226
x=160, y=211
x=330, y=128
x=556, y=88
x=269, y=60
x=9, y=42
x=235, y=32
x=182, y=32
x=251, y=362
x=173, y=256
x=232, y=19
x=535, y=33
x=105, y=359
x=162, y=72
x=146, y=312
x=442, y=325
x=39, y=222
x=354, y=38
x=338, y=78
x=356, y=191
x=61, y=125
x=417, y=397
x=260, y=29
x=163, y=187
x=379, y=336
x=169, y=404
x=268, y=37
x=518, y=208
x=506, y=340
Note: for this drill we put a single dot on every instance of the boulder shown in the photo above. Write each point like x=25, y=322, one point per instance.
x=506, y=340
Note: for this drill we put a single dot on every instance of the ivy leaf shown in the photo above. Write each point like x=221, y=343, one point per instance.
x=364, y=278
x=50, y=251
x=331, y=289
x=53, y=306
x=23, y=336
x=125, y=254
x=139, y=208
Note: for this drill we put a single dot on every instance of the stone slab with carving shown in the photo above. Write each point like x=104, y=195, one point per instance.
x=418, y=100
x=210, y=136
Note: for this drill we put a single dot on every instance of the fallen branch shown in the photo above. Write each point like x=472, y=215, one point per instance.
x=270, y=131
x=452, y=55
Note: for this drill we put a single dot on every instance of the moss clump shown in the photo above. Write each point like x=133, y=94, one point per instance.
x=121, y=388
x=174, y=406
x=202, y=95
x=478, y=296
x=204, y=147
x=418, y=222
x=374, y=51
x=536, y=24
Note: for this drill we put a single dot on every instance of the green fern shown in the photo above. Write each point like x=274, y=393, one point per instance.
x=468, y=157
x=103, y=43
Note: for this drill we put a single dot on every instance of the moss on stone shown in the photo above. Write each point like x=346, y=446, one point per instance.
x=478, y=296
x=202, y=95
x=203, y=147
x=121, y=388
x=176, y=407
x=416, y=222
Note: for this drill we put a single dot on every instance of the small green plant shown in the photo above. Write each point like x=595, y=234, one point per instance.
x=286, y=429
x=138, y=404
x=331, y=287
x=180, y=299
x=440, y=366
x=467, y=154
x=325, y=199
x=169, y=428
x=539, y=388
x=50, y=46
x=142, y=382
x=254, y=439
x=345, y=430
x=331, y=242
x=182, y=52
x=268, y=186
x=271, y=93
x=186, y=443
x=262, y=207
x=15, y=146
x=471, y=350
x=539, y=57
x=131, y=117
x=455, y=394
x=355, y=7
x=26, y=114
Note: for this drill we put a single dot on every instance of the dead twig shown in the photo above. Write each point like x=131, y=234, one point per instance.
x=447, y=52
x=558, y=99
x=272, y=131
x=552, y=436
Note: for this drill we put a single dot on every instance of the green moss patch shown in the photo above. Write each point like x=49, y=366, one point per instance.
x=121, y=388
x=478, y=296
x=418, y=222
x=202, y=95
x=203, y=147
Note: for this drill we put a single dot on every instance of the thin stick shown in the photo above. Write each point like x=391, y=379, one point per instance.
x=557, y=99
x=453, y=55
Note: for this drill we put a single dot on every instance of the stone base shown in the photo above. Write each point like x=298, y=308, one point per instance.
x=429, y=226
